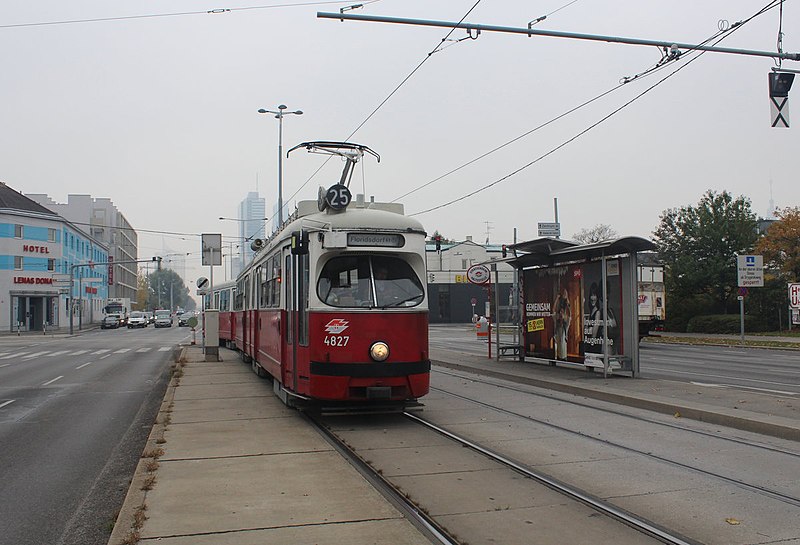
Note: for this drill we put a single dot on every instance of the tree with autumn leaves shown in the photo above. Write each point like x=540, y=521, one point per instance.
x=780, y=246
x=699, y=244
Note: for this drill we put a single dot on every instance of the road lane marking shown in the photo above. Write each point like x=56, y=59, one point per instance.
x=17, y=355
x=122, y=350
x=106, y=356
x=9, y=402
x=36, y=354
x=5, y=365
x=164, y=348
x=79, y=352
x=740, y=387
x=52, y=381
x=146, y=349
x=57, y=353
x=84, y=365
x=711, y=375
x=101, y=351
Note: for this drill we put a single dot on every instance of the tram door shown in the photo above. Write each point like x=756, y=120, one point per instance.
x=296, y=337
x=289, y=371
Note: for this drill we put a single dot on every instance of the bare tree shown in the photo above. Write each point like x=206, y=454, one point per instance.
x=599, y=232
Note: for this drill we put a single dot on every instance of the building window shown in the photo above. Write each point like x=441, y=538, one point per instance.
x=51, y=235
x=18, y=231
x=18, y=262
x=51, y=264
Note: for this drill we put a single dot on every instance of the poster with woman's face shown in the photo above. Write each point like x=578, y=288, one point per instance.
x=552, y=313
x=594, y=324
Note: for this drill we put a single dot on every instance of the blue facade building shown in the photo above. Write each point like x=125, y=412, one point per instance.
x=39, y=251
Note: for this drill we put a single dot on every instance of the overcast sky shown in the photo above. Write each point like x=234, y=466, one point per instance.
x=156, y=109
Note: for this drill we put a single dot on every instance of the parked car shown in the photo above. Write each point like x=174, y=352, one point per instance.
x=163, y=318
x=137, y=319
x=110, y=321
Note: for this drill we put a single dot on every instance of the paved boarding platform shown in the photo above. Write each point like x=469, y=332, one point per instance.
x=236, y=466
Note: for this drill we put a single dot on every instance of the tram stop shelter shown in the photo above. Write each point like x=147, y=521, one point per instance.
x=579, y=302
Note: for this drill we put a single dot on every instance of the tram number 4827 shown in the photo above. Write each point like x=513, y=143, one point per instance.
x=337, y=340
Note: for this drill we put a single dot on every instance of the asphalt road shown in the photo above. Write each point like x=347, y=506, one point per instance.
x=74, y=417
x=770, y=371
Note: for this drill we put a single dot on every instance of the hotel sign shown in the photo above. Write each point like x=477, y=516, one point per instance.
x=35, y=249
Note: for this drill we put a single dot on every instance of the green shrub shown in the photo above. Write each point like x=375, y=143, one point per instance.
x=724, y=323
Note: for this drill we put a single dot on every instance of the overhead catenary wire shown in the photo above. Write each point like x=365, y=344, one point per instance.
x=390, y=95
x=175, y=14
x=725, y=34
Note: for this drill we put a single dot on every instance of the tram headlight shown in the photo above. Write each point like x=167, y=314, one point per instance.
x=379, y=351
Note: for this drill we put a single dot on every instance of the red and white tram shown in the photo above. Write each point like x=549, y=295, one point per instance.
x=334, y=305
x=224, y=294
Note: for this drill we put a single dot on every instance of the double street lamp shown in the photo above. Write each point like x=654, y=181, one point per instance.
x=279, y=116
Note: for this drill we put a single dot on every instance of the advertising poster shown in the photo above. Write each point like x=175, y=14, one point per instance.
x=552, y=313
x=593, y=297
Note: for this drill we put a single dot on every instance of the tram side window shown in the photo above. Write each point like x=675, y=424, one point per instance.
x=275, y=282
x=369, y=281
x=263, y=286
x=238, y=299
x=224, y=300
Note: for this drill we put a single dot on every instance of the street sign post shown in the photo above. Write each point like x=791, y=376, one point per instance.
x=750, y=271
x=550, y=229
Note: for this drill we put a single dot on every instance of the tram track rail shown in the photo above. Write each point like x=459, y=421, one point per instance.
x=620, y=515
x=422, y=521
x=734, y=440
x=436, y=532
x=785, y=498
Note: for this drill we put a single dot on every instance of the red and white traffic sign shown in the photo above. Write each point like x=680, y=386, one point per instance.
x=478, y=274
x=794, y=295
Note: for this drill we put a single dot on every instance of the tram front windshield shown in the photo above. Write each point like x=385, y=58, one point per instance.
x=365, y=281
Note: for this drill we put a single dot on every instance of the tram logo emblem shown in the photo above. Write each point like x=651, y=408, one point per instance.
x=336, y=326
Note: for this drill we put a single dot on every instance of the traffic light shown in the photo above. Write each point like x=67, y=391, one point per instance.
x=438, y=239
x=780, y=83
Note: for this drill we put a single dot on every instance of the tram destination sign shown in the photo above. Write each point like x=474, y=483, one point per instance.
x=387, y=240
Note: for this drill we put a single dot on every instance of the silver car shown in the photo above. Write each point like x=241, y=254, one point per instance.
x=137, y=319
x=163, y=318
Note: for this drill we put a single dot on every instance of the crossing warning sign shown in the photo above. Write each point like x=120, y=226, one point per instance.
x=779, y=112
x=779, y=85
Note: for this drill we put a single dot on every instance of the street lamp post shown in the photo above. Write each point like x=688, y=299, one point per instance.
x=279, y=116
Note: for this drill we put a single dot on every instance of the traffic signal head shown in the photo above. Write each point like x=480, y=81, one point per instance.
x=780, y=83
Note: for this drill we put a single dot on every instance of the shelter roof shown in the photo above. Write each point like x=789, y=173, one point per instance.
x=552, y=251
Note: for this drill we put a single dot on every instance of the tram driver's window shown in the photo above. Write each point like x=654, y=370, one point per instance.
x=344, y=282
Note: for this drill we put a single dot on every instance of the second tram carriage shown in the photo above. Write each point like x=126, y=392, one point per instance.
x=334, y=306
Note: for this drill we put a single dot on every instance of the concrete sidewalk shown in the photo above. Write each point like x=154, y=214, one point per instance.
x=228, y=463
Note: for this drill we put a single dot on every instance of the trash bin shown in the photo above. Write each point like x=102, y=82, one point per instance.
x=482, y=328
